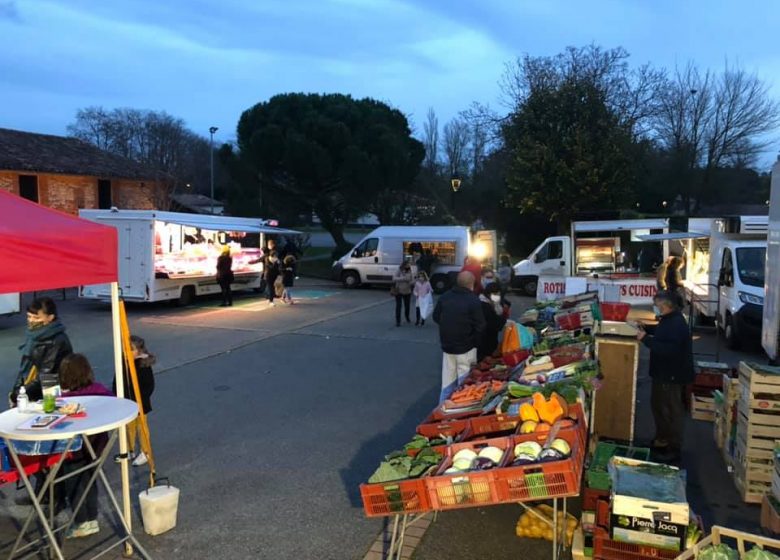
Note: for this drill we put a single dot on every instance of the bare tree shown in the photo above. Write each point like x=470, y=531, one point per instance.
x=455, y=145
x=431, y=140
x=174, y=155
x=479, y=142
x=708, y=121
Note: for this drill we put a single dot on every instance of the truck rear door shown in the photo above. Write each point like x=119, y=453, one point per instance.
x=135, y=257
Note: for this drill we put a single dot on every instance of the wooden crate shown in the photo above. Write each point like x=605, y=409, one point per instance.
x=717, y=430
x=758, y=390
x=751, y=490
x=742, y=540
x=730, y=388
x=776, y=484
x=703, y=408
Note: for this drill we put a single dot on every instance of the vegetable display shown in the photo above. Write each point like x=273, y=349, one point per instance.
x=718, y=552
x=756, y=553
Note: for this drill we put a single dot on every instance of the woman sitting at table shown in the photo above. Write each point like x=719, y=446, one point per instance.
x=77, y=379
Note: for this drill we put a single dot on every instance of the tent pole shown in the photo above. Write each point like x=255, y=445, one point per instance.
x=120, y=392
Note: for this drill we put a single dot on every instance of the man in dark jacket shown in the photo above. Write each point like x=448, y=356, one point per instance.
x=671, y=369
x=461, y=323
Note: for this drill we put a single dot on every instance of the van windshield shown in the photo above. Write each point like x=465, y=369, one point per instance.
x=751, y=264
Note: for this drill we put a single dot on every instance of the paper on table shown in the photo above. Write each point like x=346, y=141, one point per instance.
x=41, y=422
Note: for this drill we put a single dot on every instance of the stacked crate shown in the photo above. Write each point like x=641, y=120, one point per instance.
x=709, y=378
x=725, y=417
x=758, y=426
x=770, y=507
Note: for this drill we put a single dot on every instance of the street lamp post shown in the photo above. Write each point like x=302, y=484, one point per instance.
x=455, y=183
x=212, y=130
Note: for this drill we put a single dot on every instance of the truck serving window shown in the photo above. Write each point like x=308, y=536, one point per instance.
x=751, y=264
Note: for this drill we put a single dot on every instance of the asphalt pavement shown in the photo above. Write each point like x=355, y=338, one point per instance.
x=269, y=418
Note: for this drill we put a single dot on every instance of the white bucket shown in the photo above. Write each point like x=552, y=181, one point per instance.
x=159, y=506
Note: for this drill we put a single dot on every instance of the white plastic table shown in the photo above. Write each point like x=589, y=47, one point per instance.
x=104, y=414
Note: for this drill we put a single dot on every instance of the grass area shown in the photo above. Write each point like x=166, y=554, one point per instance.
x=317, y=268
x=314, y=252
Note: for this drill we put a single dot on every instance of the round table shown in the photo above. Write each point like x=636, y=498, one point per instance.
x=103, y=414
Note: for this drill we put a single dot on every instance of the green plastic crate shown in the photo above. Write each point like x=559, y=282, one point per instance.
x=597, y=475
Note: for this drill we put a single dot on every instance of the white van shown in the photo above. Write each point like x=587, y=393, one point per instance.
x=377, y=257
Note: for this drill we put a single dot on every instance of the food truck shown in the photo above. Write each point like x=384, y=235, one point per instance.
x=605, y=256
x=173, y=256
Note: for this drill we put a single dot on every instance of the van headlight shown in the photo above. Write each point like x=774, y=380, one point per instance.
x=745, y=297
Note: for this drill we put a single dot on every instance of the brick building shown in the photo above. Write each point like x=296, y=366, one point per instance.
x=68, y=174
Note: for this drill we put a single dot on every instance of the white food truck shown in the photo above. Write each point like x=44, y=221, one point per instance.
x=173, y=256
x=607, y=256
x=375, y=259
x=724, y=273
x=770, y=332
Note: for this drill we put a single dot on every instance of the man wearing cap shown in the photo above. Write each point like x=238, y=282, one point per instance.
x=671, y=369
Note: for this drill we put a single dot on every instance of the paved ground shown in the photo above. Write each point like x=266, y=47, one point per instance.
x=268, y=419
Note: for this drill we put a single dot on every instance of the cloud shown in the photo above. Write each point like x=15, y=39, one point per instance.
x=9, y=10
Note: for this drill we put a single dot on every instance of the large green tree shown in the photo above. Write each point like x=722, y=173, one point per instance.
x=573, y=134
x=330, y=154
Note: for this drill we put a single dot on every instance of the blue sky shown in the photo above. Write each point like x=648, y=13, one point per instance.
x=207, y=61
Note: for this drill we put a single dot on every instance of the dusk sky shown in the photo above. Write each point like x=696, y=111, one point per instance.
x=207, y=61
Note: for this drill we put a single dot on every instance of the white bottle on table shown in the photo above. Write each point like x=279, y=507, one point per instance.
x=22, y=400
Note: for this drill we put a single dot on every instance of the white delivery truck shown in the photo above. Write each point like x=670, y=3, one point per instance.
x=770, y=332
x=9, y=304
x=724, y=273
x=173, y=256
x=609, y=256
x=376, y=258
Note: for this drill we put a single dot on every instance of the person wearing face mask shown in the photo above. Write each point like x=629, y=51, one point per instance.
x=488, y=277
x=45, y=347
x=402, y=288
x=490, y=300
x=671, y=369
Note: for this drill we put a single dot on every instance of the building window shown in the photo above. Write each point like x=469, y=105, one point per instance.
x=28, y=187
x=104, y=194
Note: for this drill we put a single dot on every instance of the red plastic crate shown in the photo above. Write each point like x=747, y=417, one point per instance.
x=614, y=311
x=591, y=497
x=32, y=464
x=569, y=322
x=490, y=426
x=605, y=548
x=391, y=498
x=513, y=359
x=540, y=481
x=446, y=428
x=565, y=355
x=477, y=488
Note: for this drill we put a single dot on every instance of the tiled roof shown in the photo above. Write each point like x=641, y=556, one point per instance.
x=44, y=153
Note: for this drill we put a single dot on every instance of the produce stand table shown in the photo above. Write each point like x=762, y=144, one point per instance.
x=615, y=401
x=527, y=484
x=103, y=414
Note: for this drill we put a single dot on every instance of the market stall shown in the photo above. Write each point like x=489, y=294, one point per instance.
x=43, y=249
x=550, y=418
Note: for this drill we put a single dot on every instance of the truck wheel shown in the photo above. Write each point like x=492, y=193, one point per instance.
x=730, y=334
x=187, y=296
x=529, y=287
x=350, y=279
x=440, y=283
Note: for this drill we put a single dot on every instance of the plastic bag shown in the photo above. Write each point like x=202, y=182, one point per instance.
x=425, y=303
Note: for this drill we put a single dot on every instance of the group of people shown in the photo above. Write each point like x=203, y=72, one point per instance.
x=47, y=364
x=278, y=274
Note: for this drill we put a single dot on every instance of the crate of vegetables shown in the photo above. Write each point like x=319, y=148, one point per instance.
x=490, y=426
x=467, y=401
x=467, y=475
x=443, y=428
x=398, y=484
x=542, y=465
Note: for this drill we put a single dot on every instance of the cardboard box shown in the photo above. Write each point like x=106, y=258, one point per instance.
x=630, y=479
x=656, y=533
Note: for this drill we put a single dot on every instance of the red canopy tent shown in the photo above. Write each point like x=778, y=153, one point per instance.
x=44, y=249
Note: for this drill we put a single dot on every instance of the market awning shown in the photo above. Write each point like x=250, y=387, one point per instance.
x=44, y=249
x=620, y=225
x=202, y=221
x=674, y=236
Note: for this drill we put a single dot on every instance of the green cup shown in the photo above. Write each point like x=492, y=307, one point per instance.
x=49, y=403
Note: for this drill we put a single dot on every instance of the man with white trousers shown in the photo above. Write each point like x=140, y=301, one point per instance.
x=461, y=323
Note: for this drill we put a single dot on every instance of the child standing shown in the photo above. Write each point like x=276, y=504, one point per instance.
x=423, y=297
x=288, y=278
x=143, y=368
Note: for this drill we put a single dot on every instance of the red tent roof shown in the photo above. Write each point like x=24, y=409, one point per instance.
x=44, y=249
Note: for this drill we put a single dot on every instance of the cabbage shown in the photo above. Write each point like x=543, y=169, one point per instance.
x=718, y=552
x=759, y=554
